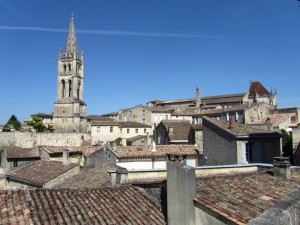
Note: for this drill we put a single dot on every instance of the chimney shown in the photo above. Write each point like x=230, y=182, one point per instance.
x=282, y=167
x=268, y=124
x=171, y=130
x=153, y=147
x=230, y=124
x=117, y=176
x=181, y=189
x=66, y=157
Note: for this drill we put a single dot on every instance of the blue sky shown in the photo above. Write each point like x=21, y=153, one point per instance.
x=137, y=51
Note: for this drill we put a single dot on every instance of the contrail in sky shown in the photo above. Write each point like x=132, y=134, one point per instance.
x=112, y=32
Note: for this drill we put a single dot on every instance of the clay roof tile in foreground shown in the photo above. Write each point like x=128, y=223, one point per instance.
x=243, y=197
x=121, y=205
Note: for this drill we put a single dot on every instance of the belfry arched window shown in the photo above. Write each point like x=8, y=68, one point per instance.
x=70, y=88
x=65, y=67
x=69, y=67
x=63, y=87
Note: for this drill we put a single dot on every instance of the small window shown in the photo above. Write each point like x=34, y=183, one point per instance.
x=98, y=129
x=16, y=164
x=136, y=131
x=249, y=152
x=111, y=129
x=144, y=121
x=121, y=130
x=128, y=131
x=130, y=113
x=145, y=131
x=143, y=112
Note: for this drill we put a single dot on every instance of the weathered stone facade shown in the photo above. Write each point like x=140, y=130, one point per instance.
x=32, y=139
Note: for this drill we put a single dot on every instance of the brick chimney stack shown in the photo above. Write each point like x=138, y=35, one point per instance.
x=181, y=189
x=230, y=124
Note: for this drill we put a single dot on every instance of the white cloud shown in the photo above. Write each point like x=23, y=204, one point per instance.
x=113, y=32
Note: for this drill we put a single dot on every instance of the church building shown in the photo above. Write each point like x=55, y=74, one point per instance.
x=70, y=109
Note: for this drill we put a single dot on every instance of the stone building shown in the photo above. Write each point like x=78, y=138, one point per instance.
x=227, y=143
x=69, y=108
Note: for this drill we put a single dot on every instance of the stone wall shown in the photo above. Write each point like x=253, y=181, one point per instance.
x=60, y=179
x=219, y=147
x=32, y=139
x=284, y=212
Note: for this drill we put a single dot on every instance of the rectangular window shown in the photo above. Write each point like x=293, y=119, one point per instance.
x=145, y=131
x=249, y=152
x=128, y=131
x=111, y=129
x=136, y=131
x=143, y=112
x=98, y=129
x=121, y=130
x=16, y=164
x=144, y=121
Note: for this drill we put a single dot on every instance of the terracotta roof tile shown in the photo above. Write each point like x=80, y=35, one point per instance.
x=122, y=205
x=85, y=150
x=41, y=172
x=242, y=197
x=276, y=118
x=257, y=88
x=181, y=129
x=146, y=151
x=16, y=153
x=92, y=178
x=238, y=129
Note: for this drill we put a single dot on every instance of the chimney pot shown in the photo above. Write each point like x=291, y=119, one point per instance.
x=282, y=167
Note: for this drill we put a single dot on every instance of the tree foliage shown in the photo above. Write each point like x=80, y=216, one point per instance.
x=14, y=122
x=118, y=141
x=37, y=123
x=287, y=145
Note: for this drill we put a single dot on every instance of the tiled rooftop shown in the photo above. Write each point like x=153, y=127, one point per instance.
x=242, y=197
x=146, y=151
x=85, y=150
x=18, y=153
x=41, y=172
x=132, y=124
x=122, y=205
x=98, y=118
x=181, y=129
x=276, y=118
x=257, y=88
x=92, y=178
x=238, y=129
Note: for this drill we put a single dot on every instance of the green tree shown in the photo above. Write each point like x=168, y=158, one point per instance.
x=118, y=141
x=37, y=123
x=287, y=145
x=14, y=122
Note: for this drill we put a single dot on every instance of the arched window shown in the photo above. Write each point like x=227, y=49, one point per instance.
x=65, y=67
x=69, y=67
x=63, y=87
x=70, y=88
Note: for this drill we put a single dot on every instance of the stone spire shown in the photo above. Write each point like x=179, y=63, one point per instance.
x=71, y=44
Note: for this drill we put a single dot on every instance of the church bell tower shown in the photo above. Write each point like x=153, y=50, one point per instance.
x=70, y=109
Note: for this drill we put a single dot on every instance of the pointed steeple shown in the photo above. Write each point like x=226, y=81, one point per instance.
x=71, y=44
